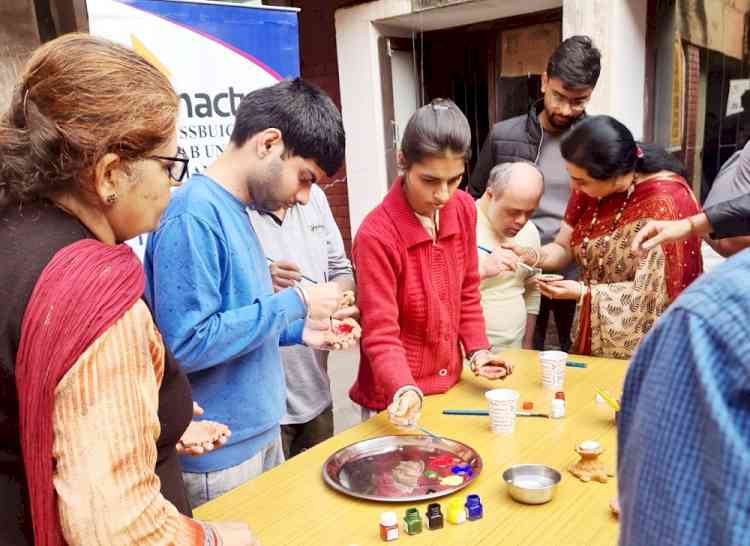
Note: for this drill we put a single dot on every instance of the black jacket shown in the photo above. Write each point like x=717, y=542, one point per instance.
x=509, y=140
x=731, y=218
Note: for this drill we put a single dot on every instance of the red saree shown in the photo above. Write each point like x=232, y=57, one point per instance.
x=85, y=288
x=628, y=293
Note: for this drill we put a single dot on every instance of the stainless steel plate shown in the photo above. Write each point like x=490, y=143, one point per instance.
x=402, y=468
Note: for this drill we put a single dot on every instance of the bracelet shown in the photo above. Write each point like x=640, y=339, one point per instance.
x=210, y=535
x=692, y=224
x=538, y=255
x=400, y=392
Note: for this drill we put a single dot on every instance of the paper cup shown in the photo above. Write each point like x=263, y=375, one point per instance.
x=553, y=369
x=502, y=408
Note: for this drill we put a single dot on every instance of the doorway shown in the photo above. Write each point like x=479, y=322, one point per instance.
x=491, y=70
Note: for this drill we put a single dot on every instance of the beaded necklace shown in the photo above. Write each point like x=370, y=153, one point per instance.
x=586, y=238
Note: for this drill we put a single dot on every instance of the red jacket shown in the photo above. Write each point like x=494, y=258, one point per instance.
x=417, y=298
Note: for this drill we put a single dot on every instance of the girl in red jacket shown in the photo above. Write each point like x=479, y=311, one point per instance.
x=417, y=275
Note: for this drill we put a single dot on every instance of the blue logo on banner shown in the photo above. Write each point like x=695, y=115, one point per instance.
x=269, y=37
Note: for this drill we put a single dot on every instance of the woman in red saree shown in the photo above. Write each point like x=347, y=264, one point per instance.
x=88, y=153
x=618, y=186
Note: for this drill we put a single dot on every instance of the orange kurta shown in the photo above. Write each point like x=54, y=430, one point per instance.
x=105, y=431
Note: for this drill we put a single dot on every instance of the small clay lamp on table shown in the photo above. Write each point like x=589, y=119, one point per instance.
x=590, y=467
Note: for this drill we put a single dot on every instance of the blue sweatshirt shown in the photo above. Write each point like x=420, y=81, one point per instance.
x=209, y=286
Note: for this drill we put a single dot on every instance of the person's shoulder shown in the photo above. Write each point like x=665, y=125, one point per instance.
x=191, y=197
x=510, y=124
x=465, y=201
x=375, y=222
x=317, y=195
x=318, y=200
x=199, y=200
x=510, y=130
x=377, y=228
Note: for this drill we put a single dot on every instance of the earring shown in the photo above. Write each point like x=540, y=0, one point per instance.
x=111, y=198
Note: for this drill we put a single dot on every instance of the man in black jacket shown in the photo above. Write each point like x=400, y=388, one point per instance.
x=570, y=78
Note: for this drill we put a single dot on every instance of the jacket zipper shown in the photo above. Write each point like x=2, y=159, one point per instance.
x=539, y=151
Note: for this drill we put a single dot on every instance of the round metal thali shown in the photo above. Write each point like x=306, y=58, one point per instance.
x=402, y=468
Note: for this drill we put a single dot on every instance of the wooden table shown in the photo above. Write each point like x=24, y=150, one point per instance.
x=291, y=505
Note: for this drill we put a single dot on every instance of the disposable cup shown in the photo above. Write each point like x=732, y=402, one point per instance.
x=502, y=408
x=552, y=364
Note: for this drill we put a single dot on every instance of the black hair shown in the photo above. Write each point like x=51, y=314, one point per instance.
x=309, y=121
x=606, y=149
x=576, y=62
x=433, y=129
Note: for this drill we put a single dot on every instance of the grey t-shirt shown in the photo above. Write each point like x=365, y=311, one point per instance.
x=309, y=237
x=551, y=209
x=733, y=179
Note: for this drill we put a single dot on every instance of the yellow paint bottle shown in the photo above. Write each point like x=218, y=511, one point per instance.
x=456, y=511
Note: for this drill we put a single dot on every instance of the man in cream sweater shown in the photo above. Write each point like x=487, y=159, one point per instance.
x=510, y=299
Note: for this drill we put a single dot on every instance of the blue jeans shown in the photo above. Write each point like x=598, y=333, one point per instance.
x=204, y=486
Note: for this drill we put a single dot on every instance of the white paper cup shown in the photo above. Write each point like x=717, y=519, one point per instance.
x=502, y=408
x=552, y=365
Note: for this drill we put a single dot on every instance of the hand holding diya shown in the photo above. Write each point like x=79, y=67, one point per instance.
x=490, y=366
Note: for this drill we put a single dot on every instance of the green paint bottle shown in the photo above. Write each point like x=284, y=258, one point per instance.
x=412, y=522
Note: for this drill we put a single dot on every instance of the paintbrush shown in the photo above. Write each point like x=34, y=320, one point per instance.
x=430, y=434
x=485, y=412
x=303, y=276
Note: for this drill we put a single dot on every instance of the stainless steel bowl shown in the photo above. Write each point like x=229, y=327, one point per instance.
x=532, y=483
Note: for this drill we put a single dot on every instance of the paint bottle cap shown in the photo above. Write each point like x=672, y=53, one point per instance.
x=433, y=508
x=388, y=519
x=528, y=405
x=559, y=395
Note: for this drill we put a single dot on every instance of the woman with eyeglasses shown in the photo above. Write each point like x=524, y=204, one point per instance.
x=91, y=405
x=418, y=276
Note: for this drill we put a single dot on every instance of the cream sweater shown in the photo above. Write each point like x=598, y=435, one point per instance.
x=507, y=299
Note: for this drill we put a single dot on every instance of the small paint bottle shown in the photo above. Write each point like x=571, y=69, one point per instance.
x=456, y=512
x=412, y=522
x=474, y=508
x=434, y=517
x=388, y=526
x=557, y=410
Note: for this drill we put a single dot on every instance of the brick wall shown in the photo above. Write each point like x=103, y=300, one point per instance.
x=692, y=77
x=318, y=63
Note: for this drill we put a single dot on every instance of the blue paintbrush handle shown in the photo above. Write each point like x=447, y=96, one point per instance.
x=465, y=412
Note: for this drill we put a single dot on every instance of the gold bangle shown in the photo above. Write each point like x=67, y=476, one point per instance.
x=692, y=224
x=537, y=256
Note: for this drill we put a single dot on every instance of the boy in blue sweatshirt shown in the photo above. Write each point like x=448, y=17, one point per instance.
x=209, y=285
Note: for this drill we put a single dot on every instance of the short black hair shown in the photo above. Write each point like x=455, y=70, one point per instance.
x=309, y=121
x=605, y=148
x=576, y=62
x=434, y=129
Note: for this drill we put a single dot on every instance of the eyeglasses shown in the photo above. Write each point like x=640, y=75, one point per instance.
x=178, y=168
x=576, y=105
